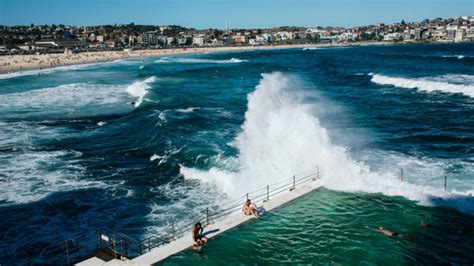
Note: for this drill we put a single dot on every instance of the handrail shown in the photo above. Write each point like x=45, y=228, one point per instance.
x=289, y=183
x=123, y=245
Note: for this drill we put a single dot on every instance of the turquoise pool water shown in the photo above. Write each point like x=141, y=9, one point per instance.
x=327, y=227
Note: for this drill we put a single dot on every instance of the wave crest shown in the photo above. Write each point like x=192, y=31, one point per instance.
x=199, y=60
x=140, y=88
x=447, y=83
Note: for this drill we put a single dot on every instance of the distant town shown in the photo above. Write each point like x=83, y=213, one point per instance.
x=35, y=39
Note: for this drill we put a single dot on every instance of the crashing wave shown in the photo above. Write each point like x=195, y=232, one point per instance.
x=140, y=88
x=281, y=137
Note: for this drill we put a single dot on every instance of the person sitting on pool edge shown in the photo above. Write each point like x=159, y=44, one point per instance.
x=198, y=237
x=250, y=208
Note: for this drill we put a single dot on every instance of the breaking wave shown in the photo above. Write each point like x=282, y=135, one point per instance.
x=448, y=83
x=68, y=100
x=45, y=71
x=458, y=56
x=140, y=88
x=199, y=60
x=281, y=137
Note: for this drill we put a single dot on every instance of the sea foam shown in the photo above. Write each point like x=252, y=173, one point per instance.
x=446, y=83
x=70, y=96
x=199, y=60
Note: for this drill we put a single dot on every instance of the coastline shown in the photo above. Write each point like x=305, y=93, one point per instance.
x=18, y=63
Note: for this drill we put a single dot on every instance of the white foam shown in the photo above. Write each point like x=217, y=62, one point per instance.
x=163, y=158
x=32, y=176
x=45, y=71
x=199, y=60
x=68, y=95
x=325, y=47
x=29, y=175
x=141, y=67
x=187, y=110
x=281, y=137
x=140, y=88
x=154, y=157
x=454, y=56
x=428, y=84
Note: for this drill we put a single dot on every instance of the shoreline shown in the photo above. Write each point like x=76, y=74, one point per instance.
x=10, y=64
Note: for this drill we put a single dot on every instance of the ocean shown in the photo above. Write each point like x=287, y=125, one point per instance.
x=135, y=145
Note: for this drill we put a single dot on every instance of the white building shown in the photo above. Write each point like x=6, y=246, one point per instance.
x=460, y=34
x=451, y=32
x=152, y=38
x=392, y=36
x=199, y=41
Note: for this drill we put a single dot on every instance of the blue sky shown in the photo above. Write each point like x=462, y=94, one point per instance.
x=240, y=13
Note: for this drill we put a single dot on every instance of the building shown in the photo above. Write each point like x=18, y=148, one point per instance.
x=451, y=32
x=240, y=38
x=418, y=33
x=45, y=44
x=460, y=34
x=170, y=41
x=470, y=33
x=152, y=38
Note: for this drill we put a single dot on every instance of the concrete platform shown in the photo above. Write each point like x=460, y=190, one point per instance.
x=181, y=244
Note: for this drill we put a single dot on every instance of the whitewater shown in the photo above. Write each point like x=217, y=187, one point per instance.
x=281, y=137
x=446, y=83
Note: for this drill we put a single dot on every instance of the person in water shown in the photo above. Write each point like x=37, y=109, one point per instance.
x=387, y=232
x=250, y=208
x=198, y=237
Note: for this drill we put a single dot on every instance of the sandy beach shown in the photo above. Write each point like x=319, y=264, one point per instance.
x=15, y=63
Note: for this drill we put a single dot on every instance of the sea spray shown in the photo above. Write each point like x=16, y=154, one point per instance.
x=281, y=137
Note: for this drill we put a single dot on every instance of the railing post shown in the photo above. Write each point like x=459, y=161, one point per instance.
x=247, y=195
x=207, y=215
x=100, y=240
x=445, y=181
x=149, y=244
x=121, y=249
x=67, y=253
x=126, y=248
x=268, y=192
x=294, y=181
x=317, y=173
x=401, y=174
x=140, y=248
x=115, y=248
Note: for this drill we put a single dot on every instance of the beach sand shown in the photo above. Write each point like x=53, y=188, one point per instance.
x=15, y=63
